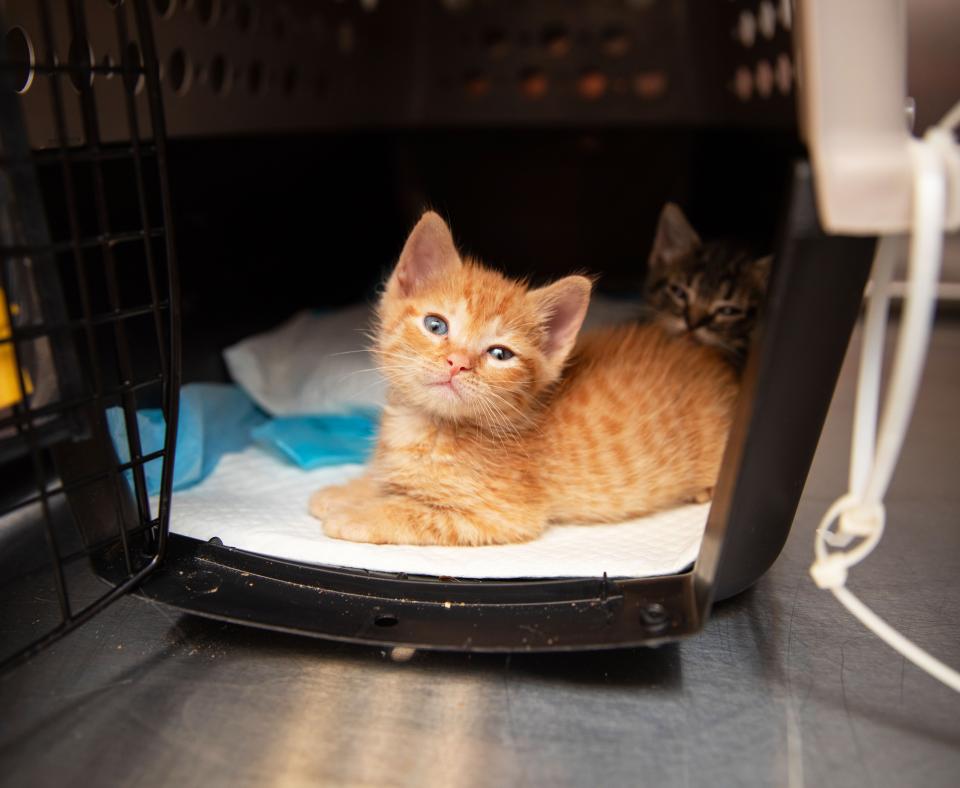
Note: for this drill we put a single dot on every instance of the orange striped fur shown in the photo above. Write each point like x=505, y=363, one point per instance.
x=626, y=422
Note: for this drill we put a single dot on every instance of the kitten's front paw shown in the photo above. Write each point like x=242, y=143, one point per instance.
x=319, y=504
x=344, y=524
x=378, y=521
x=338, y=496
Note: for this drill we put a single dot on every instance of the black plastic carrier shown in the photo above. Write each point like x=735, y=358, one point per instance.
x=119, y=118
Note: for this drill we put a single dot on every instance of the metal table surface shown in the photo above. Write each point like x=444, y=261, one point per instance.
x=783, y=687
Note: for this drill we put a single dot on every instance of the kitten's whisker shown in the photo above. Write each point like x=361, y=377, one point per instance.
x=480, y=409
x=499, y=426
x=493, y=392
x=525, y=418
x=347, y=352
x=377, y=368
x=480, y=423
x=401, y=356
x=506, y=427
x=497, y=434
x=383, y=369
x=535, y=408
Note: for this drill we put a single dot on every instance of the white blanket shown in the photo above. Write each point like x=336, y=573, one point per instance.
x=254, y=502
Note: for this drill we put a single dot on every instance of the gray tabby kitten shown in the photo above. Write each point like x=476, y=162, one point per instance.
x=708, y=291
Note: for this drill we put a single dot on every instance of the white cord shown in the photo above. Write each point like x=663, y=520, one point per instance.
x=860, y=514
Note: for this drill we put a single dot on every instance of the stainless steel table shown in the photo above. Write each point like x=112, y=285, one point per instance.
x=783, y=687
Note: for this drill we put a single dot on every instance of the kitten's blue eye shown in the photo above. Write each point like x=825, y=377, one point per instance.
x=729, y=311
x=677, y=292
x=500, y=353
x=435, y=325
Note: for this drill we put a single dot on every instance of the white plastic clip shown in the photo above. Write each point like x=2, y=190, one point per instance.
x=862, y=520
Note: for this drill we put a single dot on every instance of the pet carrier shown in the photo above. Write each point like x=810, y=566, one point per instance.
x=289, y=141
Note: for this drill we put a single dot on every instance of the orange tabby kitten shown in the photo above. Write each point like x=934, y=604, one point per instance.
x=496, y=426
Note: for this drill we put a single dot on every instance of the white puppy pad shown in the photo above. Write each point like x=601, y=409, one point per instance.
x=255, y=503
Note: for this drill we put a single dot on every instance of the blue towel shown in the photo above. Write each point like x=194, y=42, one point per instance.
x=318, y=441
x=215, y=418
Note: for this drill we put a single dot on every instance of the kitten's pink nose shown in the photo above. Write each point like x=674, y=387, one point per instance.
x=458, y=362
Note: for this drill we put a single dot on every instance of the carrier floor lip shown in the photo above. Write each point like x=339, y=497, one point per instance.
x=438, y=613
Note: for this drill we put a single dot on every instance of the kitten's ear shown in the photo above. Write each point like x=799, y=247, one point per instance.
x=561, y=308
x=429, y=251
x=675, y=237
x=760, y=271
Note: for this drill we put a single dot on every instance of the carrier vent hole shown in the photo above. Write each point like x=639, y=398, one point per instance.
x=179, y=72
x=533, y=83
x=592, y=85
x=256, y=83
x=386, y=620
x=495, y=42
x=616, y=43
x=556, y=41
x=244, y=16
x=22, y=57
x=476, y=84
x=80, y=58
x=221, y=77
x=208, y=11
x=650, y=85
x=132, y=68
x=164, y=8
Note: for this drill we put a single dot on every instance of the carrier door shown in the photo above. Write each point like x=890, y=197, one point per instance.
x=88, y=316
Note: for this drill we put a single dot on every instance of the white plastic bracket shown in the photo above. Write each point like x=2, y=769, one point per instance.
x=851, y=68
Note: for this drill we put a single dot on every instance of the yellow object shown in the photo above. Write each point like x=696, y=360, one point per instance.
x=10, y=392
